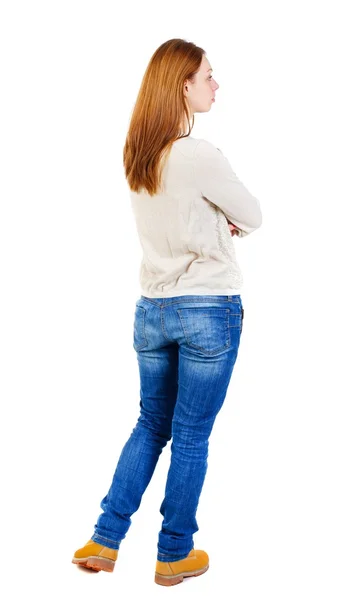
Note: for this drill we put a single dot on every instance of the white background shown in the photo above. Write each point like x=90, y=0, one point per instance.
x=270, y=515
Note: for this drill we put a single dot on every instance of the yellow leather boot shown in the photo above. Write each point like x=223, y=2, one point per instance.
x=95, y=556
x=171, y=573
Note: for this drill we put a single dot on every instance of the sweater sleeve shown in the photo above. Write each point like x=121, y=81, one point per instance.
x=217, y=182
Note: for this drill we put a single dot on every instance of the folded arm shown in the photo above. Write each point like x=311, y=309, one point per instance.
x=217, y=182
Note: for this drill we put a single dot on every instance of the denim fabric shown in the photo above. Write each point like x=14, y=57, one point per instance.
x=186, y=350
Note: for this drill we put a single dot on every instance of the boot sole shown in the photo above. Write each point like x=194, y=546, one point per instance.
x=96, y=563
x=175, y=579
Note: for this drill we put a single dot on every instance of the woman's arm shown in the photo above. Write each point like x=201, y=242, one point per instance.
x=218, y=183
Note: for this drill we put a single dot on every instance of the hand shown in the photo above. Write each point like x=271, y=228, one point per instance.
x=233, y=229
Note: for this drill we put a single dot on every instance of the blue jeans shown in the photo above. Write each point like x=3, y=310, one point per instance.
x=186, y=350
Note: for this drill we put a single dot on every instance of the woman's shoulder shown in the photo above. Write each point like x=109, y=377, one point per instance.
x=205, y=151
x=196, y=147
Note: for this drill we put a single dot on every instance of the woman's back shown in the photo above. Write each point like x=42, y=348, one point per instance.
x=186, y=242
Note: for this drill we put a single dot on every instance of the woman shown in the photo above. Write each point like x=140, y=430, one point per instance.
x=188, y=204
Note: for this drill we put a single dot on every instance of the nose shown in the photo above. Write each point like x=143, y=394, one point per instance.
x=215, y=84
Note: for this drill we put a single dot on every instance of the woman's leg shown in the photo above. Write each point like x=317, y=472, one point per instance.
x=206, y=360
x=158, y=367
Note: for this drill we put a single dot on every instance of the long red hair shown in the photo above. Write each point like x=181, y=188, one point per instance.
x=159, y=113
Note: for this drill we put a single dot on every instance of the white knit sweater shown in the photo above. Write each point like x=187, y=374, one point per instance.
x=184, y=233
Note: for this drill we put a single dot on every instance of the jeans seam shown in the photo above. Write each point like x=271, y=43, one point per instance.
x=163, y=327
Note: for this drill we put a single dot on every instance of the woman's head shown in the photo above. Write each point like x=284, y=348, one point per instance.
x=201, y=88
x=176, y=84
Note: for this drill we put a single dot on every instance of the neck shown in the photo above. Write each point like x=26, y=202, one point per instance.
x=188, y=123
